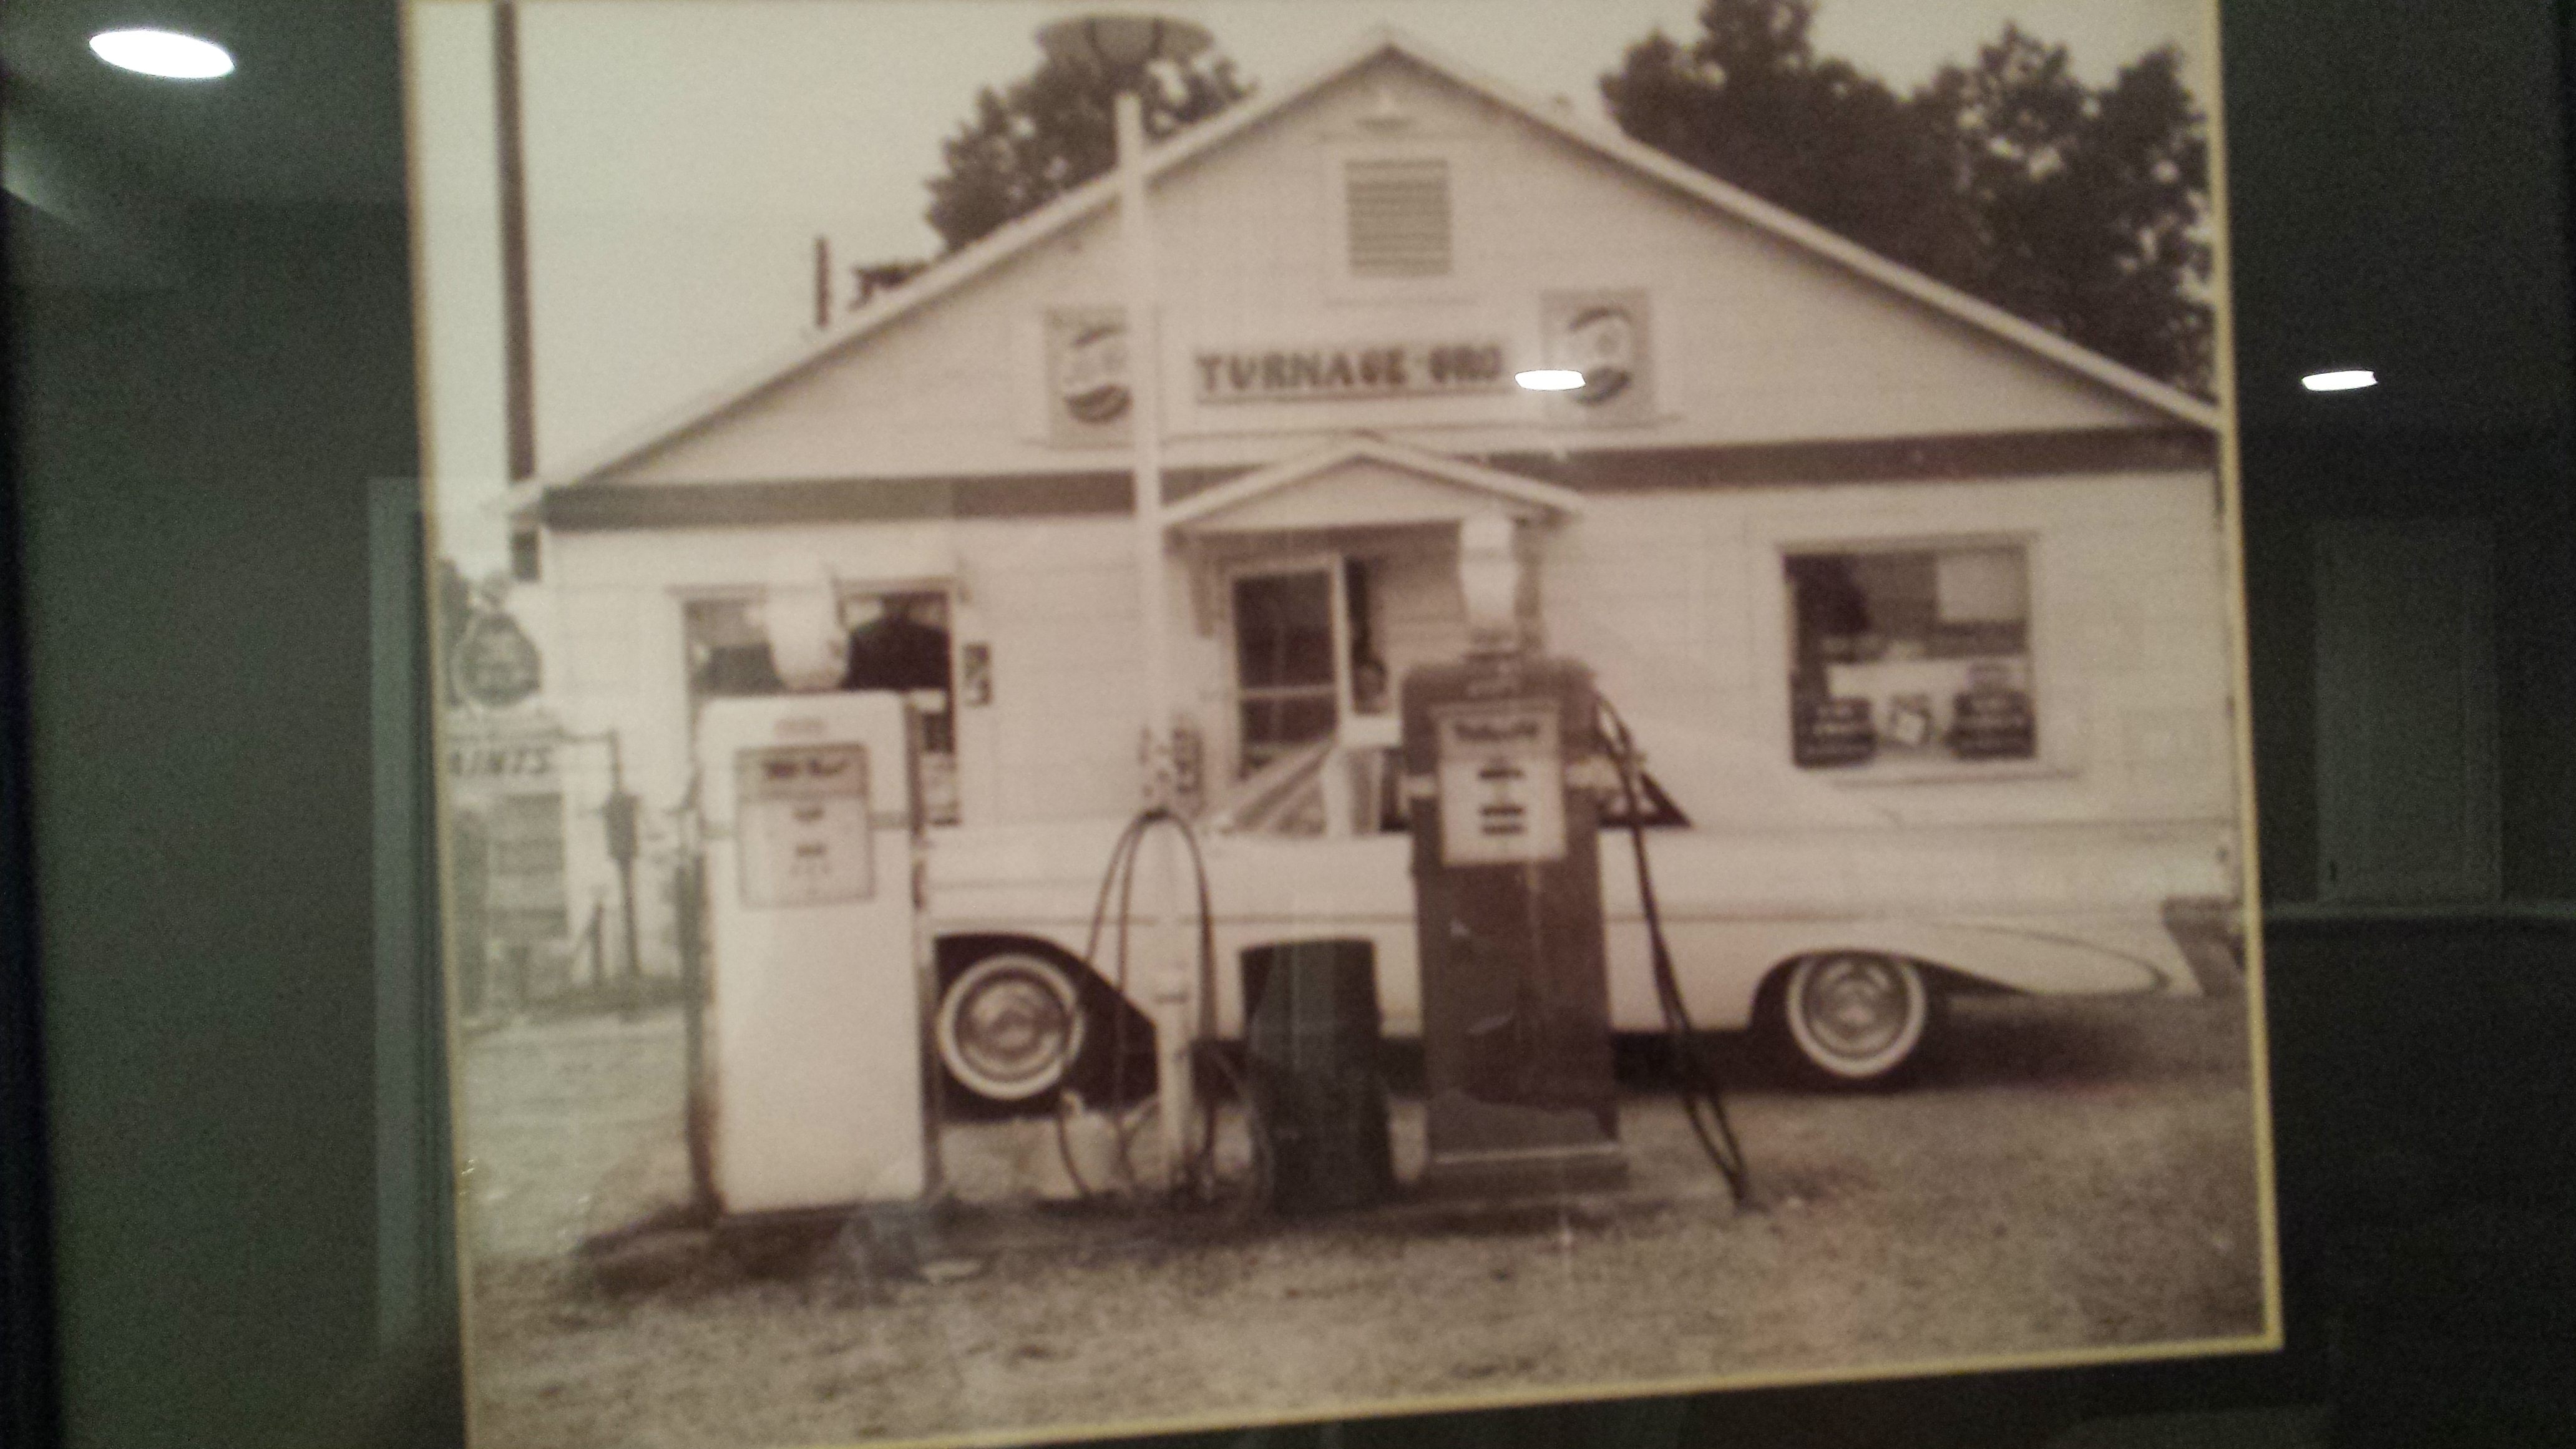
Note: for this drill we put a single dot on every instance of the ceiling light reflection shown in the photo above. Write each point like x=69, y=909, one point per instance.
x=163, y=53
x=1549, y=379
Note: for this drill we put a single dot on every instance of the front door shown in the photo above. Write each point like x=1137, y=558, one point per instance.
x=1288, y=648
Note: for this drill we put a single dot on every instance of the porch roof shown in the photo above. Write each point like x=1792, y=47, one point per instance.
x=1365, y=482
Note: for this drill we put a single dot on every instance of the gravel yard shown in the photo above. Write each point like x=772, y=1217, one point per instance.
x=2069, y=1174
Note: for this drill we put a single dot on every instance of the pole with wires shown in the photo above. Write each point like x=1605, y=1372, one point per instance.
x=1124, y=46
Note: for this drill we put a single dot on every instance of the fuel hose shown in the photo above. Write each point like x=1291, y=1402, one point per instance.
x=1702, y=1091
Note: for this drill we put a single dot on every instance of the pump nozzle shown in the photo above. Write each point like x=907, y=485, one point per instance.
x=801, y=612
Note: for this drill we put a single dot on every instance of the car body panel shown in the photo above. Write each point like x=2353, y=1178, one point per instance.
x=2048, y=909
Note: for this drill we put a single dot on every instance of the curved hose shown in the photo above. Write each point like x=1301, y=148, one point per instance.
x=1197, y=1174
x=1703, y=1098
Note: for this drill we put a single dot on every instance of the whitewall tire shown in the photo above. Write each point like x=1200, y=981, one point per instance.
x=1854, y=1019
x=1011, y=1027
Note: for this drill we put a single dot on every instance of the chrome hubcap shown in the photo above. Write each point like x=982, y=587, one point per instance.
x=1855, y=1006
x=1014, y=1029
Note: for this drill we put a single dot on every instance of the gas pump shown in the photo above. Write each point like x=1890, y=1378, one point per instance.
x=1502, y=761
x=815, y=1078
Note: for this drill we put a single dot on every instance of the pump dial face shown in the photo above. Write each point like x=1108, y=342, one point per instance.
x=1502, y=783
x=803, y=825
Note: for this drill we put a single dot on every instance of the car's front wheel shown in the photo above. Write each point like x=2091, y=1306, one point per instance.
x=1853, y=1019
x=1012, y=1027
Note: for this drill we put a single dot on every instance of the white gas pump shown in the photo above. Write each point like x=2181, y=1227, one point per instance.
x=814, y=1073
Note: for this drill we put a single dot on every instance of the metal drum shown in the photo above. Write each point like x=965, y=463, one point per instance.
x=1319, y=1093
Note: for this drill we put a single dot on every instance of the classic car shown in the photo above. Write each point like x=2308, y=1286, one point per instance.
x=1837, y=942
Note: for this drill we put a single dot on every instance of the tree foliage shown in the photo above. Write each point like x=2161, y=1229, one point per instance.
x=2078, y=208
x=1051, y=131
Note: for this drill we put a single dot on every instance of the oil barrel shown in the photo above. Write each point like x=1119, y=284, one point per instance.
x=1312, y=1032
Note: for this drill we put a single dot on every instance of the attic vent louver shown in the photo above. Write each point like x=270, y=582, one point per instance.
x=1399, y=218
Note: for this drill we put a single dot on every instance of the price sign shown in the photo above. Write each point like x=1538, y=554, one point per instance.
x=1502, y=784
x=804, y=826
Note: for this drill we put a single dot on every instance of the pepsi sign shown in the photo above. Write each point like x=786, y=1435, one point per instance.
x=1088, y=398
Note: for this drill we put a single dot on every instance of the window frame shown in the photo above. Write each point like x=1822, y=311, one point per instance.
x=844, y=591
x=1332, y=563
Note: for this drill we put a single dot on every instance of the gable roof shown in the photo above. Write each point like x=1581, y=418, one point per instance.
x=1514, y=491
x=960, y=269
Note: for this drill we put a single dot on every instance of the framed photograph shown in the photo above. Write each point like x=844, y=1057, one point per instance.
x=1283, y=710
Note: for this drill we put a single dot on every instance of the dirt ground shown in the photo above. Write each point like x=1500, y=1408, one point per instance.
x=2068, y=1174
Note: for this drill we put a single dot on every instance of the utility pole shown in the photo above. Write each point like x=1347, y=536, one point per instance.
x=518, y=351
x=1124, y=47
x=822, y=283
x=622, y=829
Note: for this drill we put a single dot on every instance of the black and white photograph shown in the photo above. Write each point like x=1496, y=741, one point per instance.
x=1251, y=711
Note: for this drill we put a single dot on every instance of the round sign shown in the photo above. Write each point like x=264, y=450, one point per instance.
x=1093, y=383
x=496, y=664
x=1601, y=343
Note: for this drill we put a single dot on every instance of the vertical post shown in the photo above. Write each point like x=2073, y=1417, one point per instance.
x=689, y=901
x=622, y=835
x=925, y=959
x=1173, y=982
x=518, y=351
x=1144, y=391
x=822, y=283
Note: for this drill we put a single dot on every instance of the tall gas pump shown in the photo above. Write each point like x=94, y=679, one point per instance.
x=814, y=1081
x=1502, y=763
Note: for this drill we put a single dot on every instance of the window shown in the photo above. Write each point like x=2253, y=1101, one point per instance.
x=727, y=649
x=1372, y=687
x=1288, y=689
x=1305, y=654
x=1910, y=654
x=901, y=641
x=1398, y=218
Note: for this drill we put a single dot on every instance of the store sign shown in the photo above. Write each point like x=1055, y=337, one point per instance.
x=513, y=762
x=1087, y=394
x=496, y=663
x=506, y=822
x=1368, y=370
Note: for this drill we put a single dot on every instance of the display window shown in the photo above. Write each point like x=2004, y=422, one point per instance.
x=1911, y=654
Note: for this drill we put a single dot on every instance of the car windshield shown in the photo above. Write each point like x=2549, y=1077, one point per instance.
x=1283, y=797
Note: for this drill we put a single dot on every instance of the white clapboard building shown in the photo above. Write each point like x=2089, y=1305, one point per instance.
x=1854, y=550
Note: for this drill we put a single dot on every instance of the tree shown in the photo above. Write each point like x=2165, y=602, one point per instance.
x=2075, y=208
x=2089, y=202
x=1751, y=103
x=1050, y=132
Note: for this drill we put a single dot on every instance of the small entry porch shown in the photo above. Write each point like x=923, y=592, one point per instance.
x=1315, y=583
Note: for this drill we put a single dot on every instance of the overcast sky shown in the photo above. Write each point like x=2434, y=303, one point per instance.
x=683, y=155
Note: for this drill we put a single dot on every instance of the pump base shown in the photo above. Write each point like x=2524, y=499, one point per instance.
x=1525, y=1173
